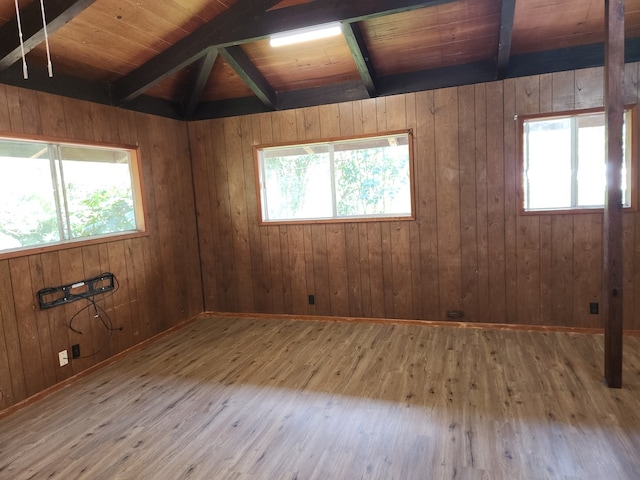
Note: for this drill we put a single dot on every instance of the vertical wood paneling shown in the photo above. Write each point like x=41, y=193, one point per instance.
x=158, y=274
x=528, y=227
x=400, y=234
x=336, y=239
x=469, y=248
x=99, y=344
x=234, y=136
x=266, y=136
x=510, y=196
x=351, y=230
x=481, y=207
x=448, y=207
x=14, y=110
x=376, y=274
x=28, y=335
x=52, y=113
x=496, y=238
x=228, y=293
x=468, y=201
x=6, y=390
x=587, y=279
x=122, y=298
x=134, y=259
x=18, y=390
x=56, y=318
x=589, y=88
x=5, y=121
x=43, y=326
x=30, y=112
x=207, y=222
x=426, y=203
x=414, y=230
x=385, y=227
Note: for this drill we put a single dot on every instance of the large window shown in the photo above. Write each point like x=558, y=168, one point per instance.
x=357, y=178
x=52, y=193
x=563, y=161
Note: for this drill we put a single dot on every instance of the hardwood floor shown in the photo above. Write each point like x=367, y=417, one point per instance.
x=233, y=398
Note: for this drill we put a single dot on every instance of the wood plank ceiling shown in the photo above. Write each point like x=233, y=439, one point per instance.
x=196, y=59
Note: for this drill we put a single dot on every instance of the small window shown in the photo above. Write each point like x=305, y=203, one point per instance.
x=52, y=193
x=563, y=161
x=356, y=178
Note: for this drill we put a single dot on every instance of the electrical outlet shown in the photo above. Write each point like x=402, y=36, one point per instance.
x=312, y=299
x=63, y=358
x=593, y=308
x=75, y=350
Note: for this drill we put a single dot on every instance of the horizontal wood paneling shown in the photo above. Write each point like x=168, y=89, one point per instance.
x=158, y=274
x=468, y=248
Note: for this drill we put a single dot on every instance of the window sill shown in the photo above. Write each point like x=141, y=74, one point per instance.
x=54, y=247
x=572, y=211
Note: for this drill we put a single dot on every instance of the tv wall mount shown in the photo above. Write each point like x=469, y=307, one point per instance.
x=62, y=294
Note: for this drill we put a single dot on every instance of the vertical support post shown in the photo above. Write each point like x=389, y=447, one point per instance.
x=612, y=225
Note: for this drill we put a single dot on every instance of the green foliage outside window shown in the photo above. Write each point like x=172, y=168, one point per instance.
x=51, y=193
x=359, y=178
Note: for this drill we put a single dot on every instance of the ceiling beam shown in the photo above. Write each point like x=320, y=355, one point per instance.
x=571, y=58
x=326, y=11
x=360, y=53
x=58, y=13
x=308, y=97
x=443, y=77
x=250, y=20
x=59, y=84
x=520, y=65
x=221, y=30
x=203, y=72
x=229, y=108
x=250, y=75
x=507, y=14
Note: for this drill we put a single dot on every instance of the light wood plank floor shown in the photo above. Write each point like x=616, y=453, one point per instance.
x=227, y=398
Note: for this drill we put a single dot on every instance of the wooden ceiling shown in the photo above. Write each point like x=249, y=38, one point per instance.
x=194, y=59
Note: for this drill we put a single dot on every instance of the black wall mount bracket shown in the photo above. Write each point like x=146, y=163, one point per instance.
x=54, y=296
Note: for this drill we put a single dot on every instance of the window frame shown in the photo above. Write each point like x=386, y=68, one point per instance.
x=353, y=219
x=137, y=187
x=631, y=144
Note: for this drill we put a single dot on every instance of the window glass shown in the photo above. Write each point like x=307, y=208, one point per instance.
x=563, y=160
x=51, y=193
x=344, y=179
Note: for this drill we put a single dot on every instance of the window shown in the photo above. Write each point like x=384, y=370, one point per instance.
x=563, y=161
x=356, y=178
x=52, y=193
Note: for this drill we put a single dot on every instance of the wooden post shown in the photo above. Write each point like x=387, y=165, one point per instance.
x=612, y=226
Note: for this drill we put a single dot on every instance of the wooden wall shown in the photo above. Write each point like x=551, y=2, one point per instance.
x=468, y=249
x=159, y=274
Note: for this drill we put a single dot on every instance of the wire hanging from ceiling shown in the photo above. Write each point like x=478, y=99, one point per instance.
x=25, y=72
x=46, y=39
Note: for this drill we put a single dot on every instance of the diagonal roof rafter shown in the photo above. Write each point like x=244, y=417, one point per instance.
x=250, y=20
x=507, y=15
x=250, y=75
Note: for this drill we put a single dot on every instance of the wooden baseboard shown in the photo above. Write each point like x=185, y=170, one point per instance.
x=68, y=381
x=433, y=323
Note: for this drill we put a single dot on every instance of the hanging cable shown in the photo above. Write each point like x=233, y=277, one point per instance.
x=46, y=38
x=25, y=73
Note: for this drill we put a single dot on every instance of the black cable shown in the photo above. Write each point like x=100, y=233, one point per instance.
x=99, y=313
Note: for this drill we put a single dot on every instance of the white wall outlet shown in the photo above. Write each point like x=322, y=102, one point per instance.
x=63, y=356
